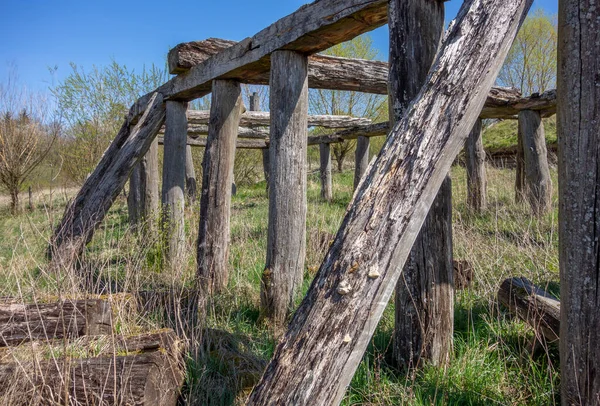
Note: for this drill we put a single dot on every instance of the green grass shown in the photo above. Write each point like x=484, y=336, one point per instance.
x=494, y=361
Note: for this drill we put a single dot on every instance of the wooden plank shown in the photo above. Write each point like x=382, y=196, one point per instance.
x=20, y=322
x=217, y=177
x=311, y=29
x=537, y=182
x=140, y=370
x=476, y=173
x=173, y=185
x=577, y=121
x=314, y=362
x=286, y=242
x=94, y=199
x=424, y=311
x=533, y=305
x=325, y=172
x=262, y=119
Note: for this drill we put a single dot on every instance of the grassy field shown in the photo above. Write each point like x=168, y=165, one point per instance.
x=494, y=361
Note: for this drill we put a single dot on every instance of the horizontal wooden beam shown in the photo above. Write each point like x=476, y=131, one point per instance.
x=262, y=119
x=545, y=103
x=240, y=143
x=311, y=29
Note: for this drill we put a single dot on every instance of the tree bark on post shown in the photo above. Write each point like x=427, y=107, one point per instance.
x=425, y=294
x=191, y=186
x=538, y=185
x=286, y=245
x=325, y=172
x=361, y=158
x=314, y=362
x=173, y=186
x=578, y=116
x=217, y=177
x=476, y=174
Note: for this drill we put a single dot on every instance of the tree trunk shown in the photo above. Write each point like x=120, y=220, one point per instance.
x=316, y=359
x=286, y=244
x=15, y=203
x=538, y=185
x=325, y=172
x=173, y=197
x=361, y=157
x=191, y=186
x=579, y=200
x=425, y=295
x=217, y=177
x=476, y=175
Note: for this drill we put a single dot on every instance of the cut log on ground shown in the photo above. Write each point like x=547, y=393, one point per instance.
x=151, y=375
x=577, y=122
x=102, y=187
x=533, y=305
x=316, y=359
x=20, y=323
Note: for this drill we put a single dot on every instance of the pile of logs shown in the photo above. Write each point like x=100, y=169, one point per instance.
x=66, y=353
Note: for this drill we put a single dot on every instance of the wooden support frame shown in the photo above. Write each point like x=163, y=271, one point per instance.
x=286, y=238
x=325, y=172
x=361, y=158
x=476, y=172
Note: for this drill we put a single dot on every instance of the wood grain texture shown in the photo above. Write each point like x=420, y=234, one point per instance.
x=578, y=117
x=533, y=305
x=262, y=119
x=191, y=185
x=326, y=339
x=286, y=245
x=20, y=323
x=424, y=311
x=217, y=177
x=325, y=172
x=361, y=159
x=173, y=185
x=476, y=173
x=142, y=200
x=537, y=187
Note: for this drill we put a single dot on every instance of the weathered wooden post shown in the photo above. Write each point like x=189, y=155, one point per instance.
x=255, y=106
x=578, y=116
x=361, y=158
x=425, y=293
x=519, y=169
x=537, y=188
x=325, y=172
x=191, y=186
x=286, y=245
x=217, y=176
x=173, y=197
x=143, y=201
x=476, y=174
x=314, y=362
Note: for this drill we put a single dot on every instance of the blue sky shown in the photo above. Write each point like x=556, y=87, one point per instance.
x=38, y=34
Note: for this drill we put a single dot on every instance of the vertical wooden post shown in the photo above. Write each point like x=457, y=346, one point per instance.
x=361, y=158
x=325, y=172
x=191, y=186
x=476, y=175
x=425, y=294
x=142, y=200
x=217, y=176
x=578, y=116
x=173, y=197
x=520, y=169
x=286, y=245
x=30, y=193
x=255, y=106
x=538, y=185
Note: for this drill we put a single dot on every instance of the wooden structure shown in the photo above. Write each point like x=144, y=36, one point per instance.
x=316, y=359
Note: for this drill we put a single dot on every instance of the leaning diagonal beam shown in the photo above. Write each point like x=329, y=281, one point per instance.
x=100, y=190
x=311, y=29
x=326, y=340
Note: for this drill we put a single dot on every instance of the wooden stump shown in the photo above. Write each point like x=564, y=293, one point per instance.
x=286, y=245
x=173, y=197
x=579, y=201
x=191, y=186
x=537, y=188
x=325, y=172
x=425, y=294
x=361, y=159
x=314, y=362
x=21, y=323
x=476, y=174
x=217, y=177
x=533, y=305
